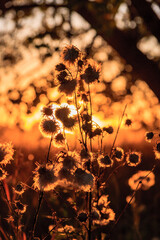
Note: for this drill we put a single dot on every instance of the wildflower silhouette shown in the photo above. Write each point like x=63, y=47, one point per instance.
x=76, y=177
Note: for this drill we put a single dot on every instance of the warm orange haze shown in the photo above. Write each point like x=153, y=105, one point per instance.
x=79, y=120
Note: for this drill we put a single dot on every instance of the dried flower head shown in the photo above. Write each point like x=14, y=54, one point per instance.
x=63, y=77
x=68, y=87
x=19, y=189
x=157, y=150
x=44, y=178
x=65, y=174
x=70, y=54
x=118, y=154
x=84, y=154
x=48, y=127
x=68, y=160
x=133, y=158
x=82, y=216
x=92, y=72
x=60, y=67
x=6, y=153
x=47, y=111
x=86, y=117
x=69, y=123
x=20, y=208
x=105, y=161
x=62, y=112
x=142, y=179
x=84, y=179
x=128, y=122
x=59, y=139
x=149, y=136
x=97, y=132
x=3, y=174
x=109, y=129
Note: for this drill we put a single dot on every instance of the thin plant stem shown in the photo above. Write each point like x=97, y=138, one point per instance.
x=37, y=213
x=119, y=125
x=66, y=142
x=49, y=148
x=79, y=121
x=90, y=101
x=90, y=218
x=40, y=195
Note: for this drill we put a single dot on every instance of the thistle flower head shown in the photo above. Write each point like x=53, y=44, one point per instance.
x=6, y=153
x=47, y=111
x=59, y=139
x=84, y=154
x=70, y=54
x=68, y=87
x=63, y=77
x=109, y=129
x=82, y=216
x=62, y=112
x=44, y=178
x=118, y=154
x=3, y=174
x=20, y=208
x=128, y=122
x=84, y=179
x=19, y=189
x=48, y=127
x=69, y=123
x=142, y=179
x=92, y=72
x=68, y=160
x=60, y=67
x=149, y=136
x=65, y=174
x=97, y=132
x=133, y=158
x=105, y=161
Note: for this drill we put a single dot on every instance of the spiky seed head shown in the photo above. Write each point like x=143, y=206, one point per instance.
x=44, y=178
x=133, y=158
x=70, y=54
x=47, y=111
x=149, y=136
x=92, y=72
x=48, y=127
x=68, y=87
x=62, y=112
x=20, y=208
x=105, y=161
x=109, y=129
x=82, y=217
x=60, y=67
x=118, y=154
x=128, y=122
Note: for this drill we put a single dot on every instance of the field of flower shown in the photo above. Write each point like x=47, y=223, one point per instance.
x=82, y=182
